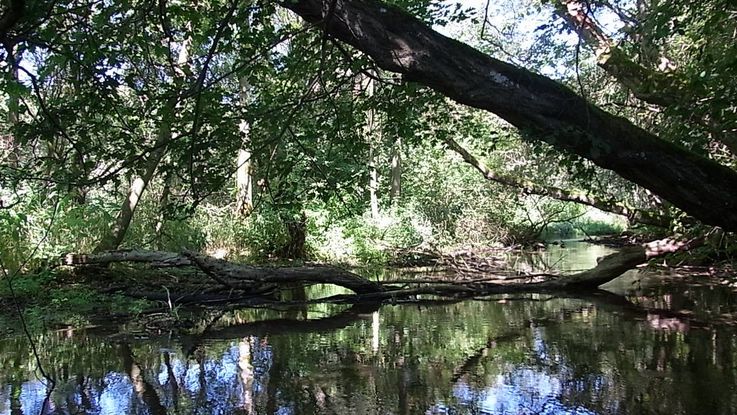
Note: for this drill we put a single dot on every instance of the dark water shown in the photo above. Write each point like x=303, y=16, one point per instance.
x=606, y=354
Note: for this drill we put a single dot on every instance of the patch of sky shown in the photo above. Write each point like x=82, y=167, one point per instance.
x=519, y=22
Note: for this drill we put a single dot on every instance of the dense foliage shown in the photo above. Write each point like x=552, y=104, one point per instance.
x=125, y=122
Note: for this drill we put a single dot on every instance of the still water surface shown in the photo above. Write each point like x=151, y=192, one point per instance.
x=532, y=355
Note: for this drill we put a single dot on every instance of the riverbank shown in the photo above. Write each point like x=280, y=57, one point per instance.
x=87, y=296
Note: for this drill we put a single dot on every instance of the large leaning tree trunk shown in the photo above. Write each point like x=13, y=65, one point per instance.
x=138, y=185
x=544, y=109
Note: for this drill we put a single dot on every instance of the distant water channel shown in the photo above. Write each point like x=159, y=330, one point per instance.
x=606, y=354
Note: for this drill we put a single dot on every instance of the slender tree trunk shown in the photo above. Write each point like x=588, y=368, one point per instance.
x=373, y=182
x=296, y=247
x=371, y=131
x=396, y=171
x=139, y=183
x=163, y=206
x=7, y=142
x=243, y=175
x=542, y=108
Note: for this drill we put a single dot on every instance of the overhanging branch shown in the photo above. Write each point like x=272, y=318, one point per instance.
x=545, y=109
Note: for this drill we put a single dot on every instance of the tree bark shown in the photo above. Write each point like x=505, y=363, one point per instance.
x=163, y=206
x=247, y=277
x=396, y=170
x=370, y=133
x=156, y=258
x=644, y=217
x=243, y=176
x=307, y=273
x=544, y=109
x=232, y=274
x=138, y=185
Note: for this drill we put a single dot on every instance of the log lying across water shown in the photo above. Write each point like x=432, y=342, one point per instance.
x=251, y=279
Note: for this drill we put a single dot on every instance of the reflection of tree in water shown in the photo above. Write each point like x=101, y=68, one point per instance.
x=553, y=356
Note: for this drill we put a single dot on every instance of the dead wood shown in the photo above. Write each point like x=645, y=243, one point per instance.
x=155, y=258
x=239, y=281
x=231, y=275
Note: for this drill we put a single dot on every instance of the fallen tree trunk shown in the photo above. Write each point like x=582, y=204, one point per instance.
x=544, y=109
x=321, y=274
x=231, y=275
x=253, y=281
x=155, y=258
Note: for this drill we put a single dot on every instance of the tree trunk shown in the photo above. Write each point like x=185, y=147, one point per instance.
x=163, y=206
x=544, y=109
x=644, y=217
x=247, y=278
x=7, y=141
x=370, y=133
x=296, y=246
x=396, y=171
x=139, y=183
x=243, y=175
x=373, y=182
x=232, y=274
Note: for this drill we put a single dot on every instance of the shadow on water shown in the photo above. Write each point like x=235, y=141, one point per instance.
x=532, y=355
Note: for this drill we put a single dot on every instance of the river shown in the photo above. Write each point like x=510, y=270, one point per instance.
x=631, y=353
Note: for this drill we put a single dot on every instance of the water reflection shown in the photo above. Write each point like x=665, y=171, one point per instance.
x=566, y=256
x=534, y=357
x=540, y=355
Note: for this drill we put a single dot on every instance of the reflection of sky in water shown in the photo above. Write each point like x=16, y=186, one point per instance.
x=215, y=386
x=521, y=391
x=32, y=397
x=5, y=399
x=117, y=395
x=524, y=390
